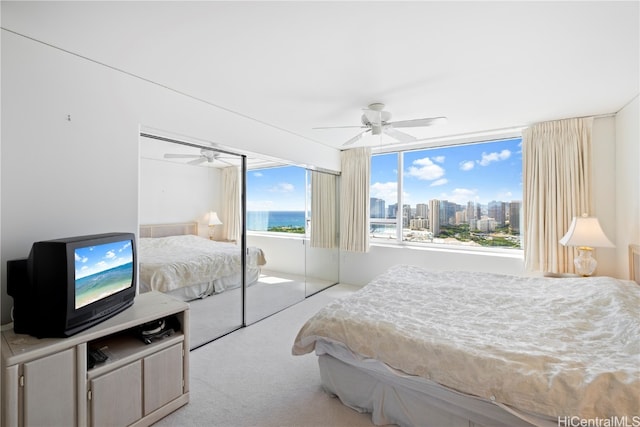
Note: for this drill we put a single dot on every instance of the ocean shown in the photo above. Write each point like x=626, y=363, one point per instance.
x=92, y=288
x=263, y=220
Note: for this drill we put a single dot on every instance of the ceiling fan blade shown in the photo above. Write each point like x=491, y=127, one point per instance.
x=419, y=122
x=197, y=161
x=355, y=138
x=400, y=136
x=182, y=156
x=339, y=127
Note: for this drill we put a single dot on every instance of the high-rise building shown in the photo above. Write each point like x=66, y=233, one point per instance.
x=434, y=219
x=448, y=214
x=497, y=211
x=418, y=224
x=486, y=225
x=422, y=210
x=406, y=215
x=377, y=208
x=392, y=211
x=471, y=213
x=515, y=209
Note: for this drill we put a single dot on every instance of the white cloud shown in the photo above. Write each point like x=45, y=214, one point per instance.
x=461, y=196
x=258, y=174
x=282, y=187
x=426, y=170
x=494, y=157
x=387, y=191
x=438, y=159
x=110, y=255
x=467, y=165
x=438, y=182
x=504, y=195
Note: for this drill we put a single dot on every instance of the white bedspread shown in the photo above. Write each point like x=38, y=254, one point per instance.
x=558, y=347
x=169, y=263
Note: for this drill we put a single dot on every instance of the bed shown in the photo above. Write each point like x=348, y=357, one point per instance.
x=436, y=348
x=173, y=259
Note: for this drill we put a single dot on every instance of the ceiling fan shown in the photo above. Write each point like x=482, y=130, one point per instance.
x=205, y=155
x=375, y=119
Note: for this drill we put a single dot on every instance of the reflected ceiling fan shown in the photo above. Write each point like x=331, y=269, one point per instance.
x=375, y=119
x=205, y=155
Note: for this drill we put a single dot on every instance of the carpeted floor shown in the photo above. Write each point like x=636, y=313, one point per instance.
x=250, y=378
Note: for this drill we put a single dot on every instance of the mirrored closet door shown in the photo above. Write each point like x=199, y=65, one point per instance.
x=191, y=224
x=206, y=212
x=297, y=235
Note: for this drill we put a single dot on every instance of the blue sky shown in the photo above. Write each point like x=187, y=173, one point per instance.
x=479, y=172
x=472, y=172
x=93, y=259
x=276, y=189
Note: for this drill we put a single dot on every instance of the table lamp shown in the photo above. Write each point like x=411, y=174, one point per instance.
x=213, y=221
x=585, y=233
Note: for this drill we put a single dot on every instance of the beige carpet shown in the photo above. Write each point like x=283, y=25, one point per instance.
x=250, y=378
x=219, y=314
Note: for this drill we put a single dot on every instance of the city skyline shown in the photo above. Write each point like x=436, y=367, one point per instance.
x=480, y=173
x=477, y=172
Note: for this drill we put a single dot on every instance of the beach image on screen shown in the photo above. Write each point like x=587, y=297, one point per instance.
x=102, y=270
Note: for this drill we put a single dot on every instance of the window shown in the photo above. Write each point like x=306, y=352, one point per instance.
x=276, y=200
x=467, y=194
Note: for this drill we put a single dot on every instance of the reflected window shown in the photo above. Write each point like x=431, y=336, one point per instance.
x=276, y=200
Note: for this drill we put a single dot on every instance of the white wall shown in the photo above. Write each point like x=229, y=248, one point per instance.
x=64, y=177
x=603, y=152
x=285, y=254
x=627, y=166
x=172, y=192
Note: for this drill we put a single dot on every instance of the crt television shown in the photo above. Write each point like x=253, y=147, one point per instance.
x=68, y=285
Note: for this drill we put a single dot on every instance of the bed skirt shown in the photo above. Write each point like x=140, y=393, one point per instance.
x=369, y=386
x=203, y=290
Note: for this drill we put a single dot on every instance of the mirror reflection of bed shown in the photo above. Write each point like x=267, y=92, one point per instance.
x=175, y=260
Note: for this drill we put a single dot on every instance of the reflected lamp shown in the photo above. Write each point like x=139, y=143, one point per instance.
x=213, y=221
x=585, y=233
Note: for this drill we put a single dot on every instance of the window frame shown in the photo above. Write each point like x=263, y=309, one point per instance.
x=443, y=142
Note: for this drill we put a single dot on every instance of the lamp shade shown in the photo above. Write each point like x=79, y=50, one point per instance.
x=213, y=219
x=586, y=231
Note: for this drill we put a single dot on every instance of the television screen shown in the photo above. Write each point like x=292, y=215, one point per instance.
x=102, y=270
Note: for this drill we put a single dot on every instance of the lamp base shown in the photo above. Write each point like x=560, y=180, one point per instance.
x=584, y=262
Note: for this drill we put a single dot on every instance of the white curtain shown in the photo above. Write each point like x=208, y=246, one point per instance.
x=354, y=199
x=556, y=187
x=230, y=212
x=323, y=210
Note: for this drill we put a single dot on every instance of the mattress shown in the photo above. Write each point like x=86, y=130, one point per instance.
x=554, y=347
x=172, y=263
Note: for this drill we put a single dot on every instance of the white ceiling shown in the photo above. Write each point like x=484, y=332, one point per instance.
x=299, y=65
